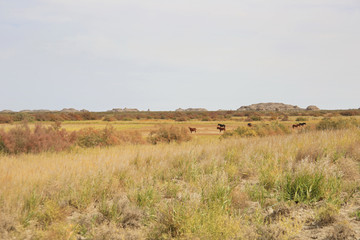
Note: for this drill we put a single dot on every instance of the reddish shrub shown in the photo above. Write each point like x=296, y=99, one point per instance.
x=22, y=139
x=6, y=119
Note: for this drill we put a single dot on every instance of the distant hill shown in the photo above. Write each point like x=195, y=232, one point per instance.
x=124, y=110
x=69, y=110
x=269, y=107
x=191, y=110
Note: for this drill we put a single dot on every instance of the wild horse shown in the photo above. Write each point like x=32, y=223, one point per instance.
x=192, y=129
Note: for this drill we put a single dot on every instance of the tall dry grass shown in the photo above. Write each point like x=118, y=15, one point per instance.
x=201, y=189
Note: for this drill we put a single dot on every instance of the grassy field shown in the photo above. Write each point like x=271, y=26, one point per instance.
x=146, y=126
x=301, y=185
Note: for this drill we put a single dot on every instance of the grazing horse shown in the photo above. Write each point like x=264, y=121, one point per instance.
x=249, y=125
x=221, y=128
x=298, y=125
x=192, y=129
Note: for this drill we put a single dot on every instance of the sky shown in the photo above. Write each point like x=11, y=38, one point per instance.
x=166, y=54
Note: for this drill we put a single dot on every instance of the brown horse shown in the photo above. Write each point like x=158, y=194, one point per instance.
x=249, y=125
x=221, y=128
x=298, y=125
x=192, y=129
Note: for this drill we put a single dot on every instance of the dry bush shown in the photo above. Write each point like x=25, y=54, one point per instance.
x=22, y=139
x=6, y=119
x=169, y=134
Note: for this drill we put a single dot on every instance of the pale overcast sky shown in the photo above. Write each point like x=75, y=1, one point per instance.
x=165, y=54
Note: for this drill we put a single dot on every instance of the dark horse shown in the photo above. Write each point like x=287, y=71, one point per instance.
x=249, y=125
x=221, y=125
x=298, y=125
x=192, y=129
x=221, y=128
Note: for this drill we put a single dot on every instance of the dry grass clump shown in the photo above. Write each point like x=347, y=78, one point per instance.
x=353, y=151
x=239, y=198
x=284, y=229
x=326, y=215
x=349, y=168
x=7, y=224
x=169, y=134
x=341, y=231
x=280, y=211
x=313, y=152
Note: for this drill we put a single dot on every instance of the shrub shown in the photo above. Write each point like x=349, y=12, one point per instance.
x=245, y=132
x=205, y=119
x=169, y=134
x=22, y=139
x=259, y=130
x=254, y=118
x=301, y=119
x=6, y=119
x=109, y=118
x=329, y=124
x=285, y=118
x=90, y=137
x=181, y=119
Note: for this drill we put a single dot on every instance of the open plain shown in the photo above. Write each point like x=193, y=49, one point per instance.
x=267, y=181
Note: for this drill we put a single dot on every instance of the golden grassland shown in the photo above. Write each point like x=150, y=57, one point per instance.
x=145, y=126
x=296, y=186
